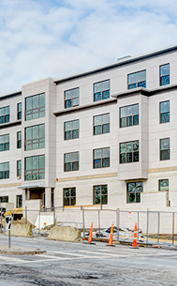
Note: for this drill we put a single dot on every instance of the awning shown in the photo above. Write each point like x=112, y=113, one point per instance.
x=32, y=186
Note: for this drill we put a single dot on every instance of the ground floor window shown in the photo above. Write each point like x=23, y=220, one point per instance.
x=69, y=196
x=4, y=199
x=100, y=195
x=19, y=201
x=164, y=185
x=133, y=192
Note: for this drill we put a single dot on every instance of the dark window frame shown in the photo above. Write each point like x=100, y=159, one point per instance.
x=19, y=110
x=103, y=125
x=102, y=197
x=19, y=139
x=103, y=93
x=129, y=118
x=34, y=173
x=5, y=173
x=136, y=194
x=19, y=170
x=34, y=112
x=72, y=98
x=70, y=199
x=165, y=151
x=73, y=132
x=4, y=199
x=166, y=114
x=74, y=165
x=19, y=201
x=6, y=144
x=6, y=116
x=35, y=141
x=128, y=154
x=166, y=76
x=165, y=190
x=137, y=83
x=101, y=162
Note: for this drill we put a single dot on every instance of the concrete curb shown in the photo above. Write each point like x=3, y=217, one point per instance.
x=20, y=250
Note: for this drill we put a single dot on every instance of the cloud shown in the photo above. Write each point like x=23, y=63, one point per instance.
x=57, y=38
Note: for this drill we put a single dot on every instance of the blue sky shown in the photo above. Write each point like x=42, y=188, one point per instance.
x=56, y=38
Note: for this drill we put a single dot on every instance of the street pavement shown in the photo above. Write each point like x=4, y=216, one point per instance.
x=66, y=264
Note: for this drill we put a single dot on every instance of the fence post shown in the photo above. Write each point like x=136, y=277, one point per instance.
x=158, y=228
x=25, y=214
x=99, y=220
x=83, y=219
x=173, y=226
x=39, y=222
x=138, y=225
x=54, y=216
x=118, y=222
x=147, y=230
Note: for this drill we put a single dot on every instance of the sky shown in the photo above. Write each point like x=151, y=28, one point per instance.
x=40, y=38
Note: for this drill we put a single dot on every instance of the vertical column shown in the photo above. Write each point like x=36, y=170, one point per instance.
x=28, y=195
x=23, y=195
x=48, y=196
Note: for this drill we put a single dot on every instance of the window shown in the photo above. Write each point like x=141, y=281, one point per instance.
x=72, y=97
x=100, y=194
x=4, y=170
x=4, y=142
x=137, y=79
x=19, y=139
x=101, y=90
x=35, y=168
x=35, y=137
x=129, y=152
x=71, y=129
x=19, y=201
x=69, y=196
x=71, y=161
x=4, y=199
x=165, y=149
x=101, y=158
x=164, y=185
x=133, y=192
x=165, y=111
x=101, y=124
x=19, y=163
x=19, y=110
x=35, y=106
x=4, y=114
x=129, y=115
x=164, y=74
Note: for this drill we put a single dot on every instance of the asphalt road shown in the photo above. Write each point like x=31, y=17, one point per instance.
x=67, y=264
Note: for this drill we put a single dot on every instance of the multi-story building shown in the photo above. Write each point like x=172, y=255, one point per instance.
x=107, y=136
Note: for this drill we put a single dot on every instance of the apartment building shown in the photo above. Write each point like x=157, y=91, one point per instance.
x=107, y=136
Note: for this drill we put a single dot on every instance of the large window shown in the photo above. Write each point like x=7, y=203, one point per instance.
x=71, y=129
x=4, y=199
x=165, y=111
x=19, y=164
x=165, y=149
x=69, y=196
x=35, y=137
x=4, y=170
x=101, y=158
x=35, y=167
x=129, y=152
x=100, y=195
x=71, y=161
x=101, y=90
x=137, y=79
x=19, y=110
x=35, y=106
x=19, y=139
x=72, y=97
x=129, y=115
x=134, y=190
x=4, y=142
x=4, y=114
x=18, y=201
x=164, y=185
x=101, y=124
x=165, y=74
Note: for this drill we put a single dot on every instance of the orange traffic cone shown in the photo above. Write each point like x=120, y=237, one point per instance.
x=134, y=245
x=111, y=236
x=90, y=235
